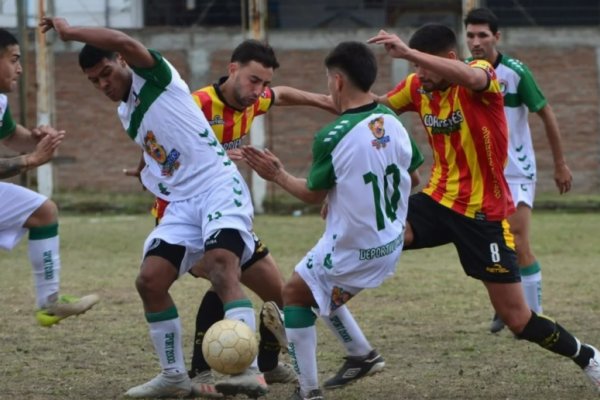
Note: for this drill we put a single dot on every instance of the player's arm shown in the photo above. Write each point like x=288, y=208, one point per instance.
x=289, y=96
x=562, y=173
x=42, y=153
x=270, y=168
x=452, y=70
x=134, y=52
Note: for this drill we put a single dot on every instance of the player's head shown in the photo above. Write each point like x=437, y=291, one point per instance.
x=250, y=72
x=351, y=67
x=107, y=71
x=10, y=64
x=481, y=26
x=436, y=39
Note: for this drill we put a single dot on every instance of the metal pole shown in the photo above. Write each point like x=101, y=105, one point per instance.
x=257, y=30
x=24, y=46
x=44, y=172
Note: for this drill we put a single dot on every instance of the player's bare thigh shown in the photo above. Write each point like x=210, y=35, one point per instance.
x=520, y=225
x=264, y=278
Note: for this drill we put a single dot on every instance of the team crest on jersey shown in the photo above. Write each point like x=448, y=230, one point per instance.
x=217, y=120
x=378, y=130
x=168, y=161
x=503, y=86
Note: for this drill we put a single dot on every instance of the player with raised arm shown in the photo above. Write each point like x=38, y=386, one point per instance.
x=521, y=96
x=467, y=200
x=210, y=211
x=26, y=211
x=361, y=162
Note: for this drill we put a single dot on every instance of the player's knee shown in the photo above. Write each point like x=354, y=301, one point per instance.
x=222, y=267
x=46, y=214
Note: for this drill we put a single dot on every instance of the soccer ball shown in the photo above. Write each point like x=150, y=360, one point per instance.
x=229, y=346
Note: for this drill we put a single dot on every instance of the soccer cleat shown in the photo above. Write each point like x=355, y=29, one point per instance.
x=593, y=369
x=354, y=368
x=497, y=324
x=314, y=394
x=163, y=386
x=273, y=321
x=203, y=385
x=65, y=306
x=250, y=382
x=282, y=373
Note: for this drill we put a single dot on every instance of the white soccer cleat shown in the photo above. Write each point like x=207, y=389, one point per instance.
x=66, y=306
x=163, y=386
x=593, y=369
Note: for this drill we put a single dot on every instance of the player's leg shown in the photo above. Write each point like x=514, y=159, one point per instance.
x=302, y=335
x=509, y=303
x=361, y=359
x=520, y=223
x=486, y=251
x=264, y=278
x=26, y=211
x=161, y=266
x=224, y=249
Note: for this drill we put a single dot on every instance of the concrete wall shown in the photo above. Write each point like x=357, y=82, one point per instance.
x=565, y=63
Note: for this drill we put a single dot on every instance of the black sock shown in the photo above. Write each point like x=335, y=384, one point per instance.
x=552, y=336
x=268, y=349
x=209, y=312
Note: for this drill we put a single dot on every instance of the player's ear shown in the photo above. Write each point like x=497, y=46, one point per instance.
x=233, y=68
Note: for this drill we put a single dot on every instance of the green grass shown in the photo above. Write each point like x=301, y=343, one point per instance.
x=429, y=321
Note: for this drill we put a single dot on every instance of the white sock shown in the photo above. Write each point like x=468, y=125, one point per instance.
x=242, y=310
x=532, y=287
x=346, y=330
x=166, y=336
x=45, y=261
x=302, y=347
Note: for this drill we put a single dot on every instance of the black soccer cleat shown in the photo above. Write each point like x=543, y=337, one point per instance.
x=354, y=368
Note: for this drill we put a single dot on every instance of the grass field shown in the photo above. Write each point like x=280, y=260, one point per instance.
x=429, y=321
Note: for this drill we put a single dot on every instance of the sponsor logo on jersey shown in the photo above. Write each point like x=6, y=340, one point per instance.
x=497, y=269
x=444, y=126
x=217, y=120
x=234, y=144
x=378, y=130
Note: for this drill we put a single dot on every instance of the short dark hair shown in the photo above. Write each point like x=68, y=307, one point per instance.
x=255, y=50
x=433, y=39
x=482, y=15
x=89, y=56
x=6, y=39
x=357, y=61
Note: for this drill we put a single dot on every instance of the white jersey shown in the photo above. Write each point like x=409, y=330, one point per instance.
x=363, y=159
x=183, y=157
x=521, y=96
x=7, y=124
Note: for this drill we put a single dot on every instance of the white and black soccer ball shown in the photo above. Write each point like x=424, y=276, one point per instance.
x=229, y=346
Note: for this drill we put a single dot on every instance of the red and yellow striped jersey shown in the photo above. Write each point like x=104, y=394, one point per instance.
x=468, y=134
x=229, y=124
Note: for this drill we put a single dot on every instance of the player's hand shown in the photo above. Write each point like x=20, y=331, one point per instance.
x=60, y=25
x=563, y=178
x=44, y=130
x=392, y=43
x=265, y=163
x=235, y=154
x=44, y=150
x=132, y=172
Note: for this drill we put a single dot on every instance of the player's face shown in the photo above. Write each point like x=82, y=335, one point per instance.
x=112, y=77
x=482, y=42
x=249, y=82
x=10, y=68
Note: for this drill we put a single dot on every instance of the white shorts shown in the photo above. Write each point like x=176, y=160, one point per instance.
x=189, y=222
x=17, y=203
x=332, y=289
x=522, y=193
